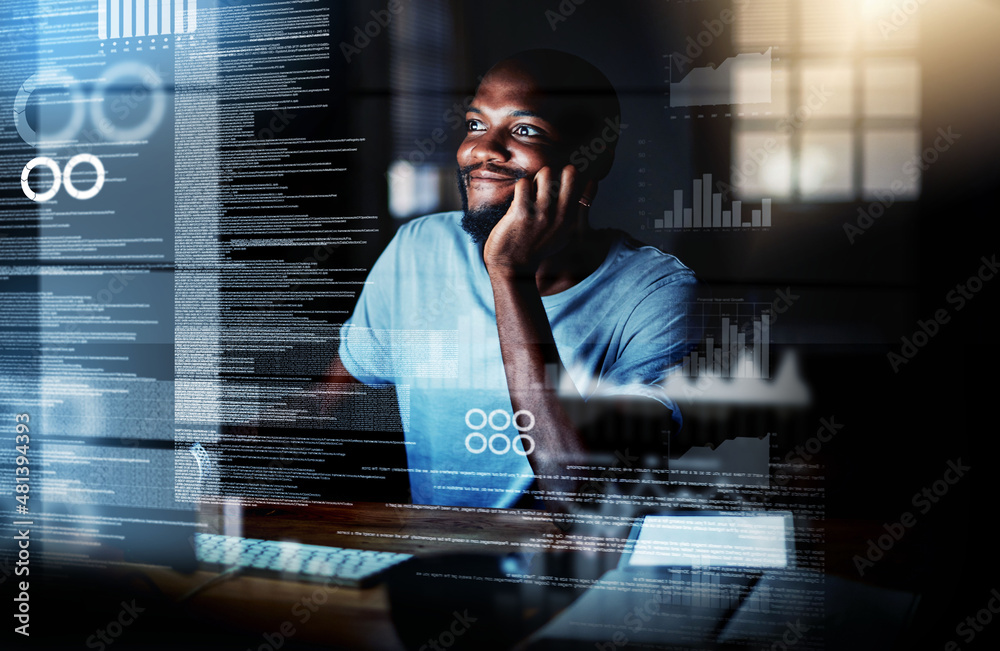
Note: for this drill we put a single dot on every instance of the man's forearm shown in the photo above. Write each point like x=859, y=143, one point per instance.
x=532, y=366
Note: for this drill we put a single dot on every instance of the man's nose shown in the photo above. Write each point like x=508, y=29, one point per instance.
x=491, y=146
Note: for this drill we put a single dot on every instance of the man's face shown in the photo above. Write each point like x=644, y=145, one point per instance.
x=507, y=138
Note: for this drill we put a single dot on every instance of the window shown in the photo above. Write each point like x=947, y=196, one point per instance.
x=845, y=112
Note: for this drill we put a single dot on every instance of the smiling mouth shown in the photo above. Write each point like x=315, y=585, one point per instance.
x=486, y=177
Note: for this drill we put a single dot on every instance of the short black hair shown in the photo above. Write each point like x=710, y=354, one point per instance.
x=584, y=102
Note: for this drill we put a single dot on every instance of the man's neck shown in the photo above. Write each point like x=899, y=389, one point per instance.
x=580, y=258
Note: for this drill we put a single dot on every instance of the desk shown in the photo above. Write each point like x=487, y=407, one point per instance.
x=253, y=613
x=337, y=616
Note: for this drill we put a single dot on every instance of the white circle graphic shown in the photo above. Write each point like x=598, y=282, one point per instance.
x=56, y=78
x=151, y=82
x=475, y=411
x=529, y=415
x=505, y=414
x=506, y=440
x=469, y=447
x=523, y=452
x=56, y=179
x=98, y=183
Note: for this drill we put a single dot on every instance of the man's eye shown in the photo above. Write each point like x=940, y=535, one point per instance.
x=474, y=125
x=526, y=130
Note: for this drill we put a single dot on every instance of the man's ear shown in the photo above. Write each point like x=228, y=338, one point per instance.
x=589, y=192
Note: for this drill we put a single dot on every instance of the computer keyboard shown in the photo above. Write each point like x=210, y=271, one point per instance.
x=269, y=558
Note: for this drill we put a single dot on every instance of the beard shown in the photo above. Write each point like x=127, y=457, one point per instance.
x=479, y=223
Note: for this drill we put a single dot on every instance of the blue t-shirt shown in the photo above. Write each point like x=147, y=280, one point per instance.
x=425, y=322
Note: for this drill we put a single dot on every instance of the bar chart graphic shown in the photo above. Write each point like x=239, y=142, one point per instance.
x=735, y=340
x=706, y=211
x=128, y=18
x=743, y=79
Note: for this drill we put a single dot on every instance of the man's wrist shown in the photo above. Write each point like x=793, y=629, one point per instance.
x=509, y=277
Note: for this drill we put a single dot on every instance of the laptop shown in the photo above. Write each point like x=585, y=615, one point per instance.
x=682, y=576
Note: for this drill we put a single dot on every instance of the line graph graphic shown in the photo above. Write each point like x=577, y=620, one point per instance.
x=743, y=79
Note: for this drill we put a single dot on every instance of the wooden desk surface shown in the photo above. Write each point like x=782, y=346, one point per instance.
x=414, y=529
x=334, y=616
x=338, y=616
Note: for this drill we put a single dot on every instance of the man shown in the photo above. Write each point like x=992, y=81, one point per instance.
x=545, y=307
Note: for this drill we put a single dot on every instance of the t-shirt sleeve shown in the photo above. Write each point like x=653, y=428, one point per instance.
x=365, y=336
x=655, y=338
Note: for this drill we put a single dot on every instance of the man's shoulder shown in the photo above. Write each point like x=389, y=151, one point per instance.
x=429, y=246
x=437, y=225
x=649, y=264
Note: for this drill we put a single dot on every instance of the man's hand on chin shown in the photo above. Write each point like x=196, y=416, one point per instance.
x=542, y=218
